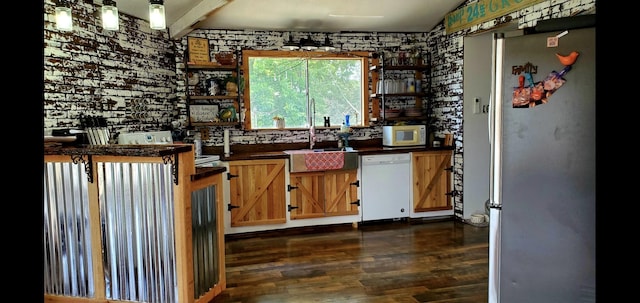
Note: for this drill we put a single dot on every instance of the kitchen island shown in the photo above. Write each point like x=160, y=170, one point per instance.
x=135, y=223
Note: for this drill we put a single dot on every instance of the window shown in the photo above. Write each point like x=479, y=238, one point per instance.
x=288, y=84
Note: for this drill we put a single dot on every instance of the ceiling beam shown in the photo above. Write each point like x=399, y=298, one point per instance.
x=198, y=13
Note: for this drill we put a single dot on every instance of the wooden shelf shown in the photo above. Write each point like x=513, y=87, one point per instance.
x=212, y=67
x=221, y=97
x=405, y=118
x=399, y=67
x=231, y=70
x=215, y=123
x=379, y=70
x=399, y=95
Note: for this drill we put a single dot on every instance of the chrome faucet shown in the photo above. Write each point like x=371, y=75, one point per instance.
x=312, y=128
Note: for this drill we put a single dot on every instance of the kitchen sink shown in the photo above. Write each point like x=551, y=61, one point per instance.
x=303, y=160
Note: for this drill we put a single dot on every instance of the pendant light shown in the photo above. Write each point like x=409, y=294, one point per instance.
x=308, y=44
x=110, y=15
x=64, y=22
x=327, y=46
x=156, y=14
x=290, y=45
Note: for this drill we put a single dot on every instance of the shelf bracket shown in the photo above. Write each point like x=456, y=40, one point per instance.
x=88, y=164
x=172, y=159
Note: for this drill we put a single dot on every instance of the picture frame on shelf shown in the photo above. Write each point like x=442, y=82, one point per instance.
x=203, y=113
x=198, y=49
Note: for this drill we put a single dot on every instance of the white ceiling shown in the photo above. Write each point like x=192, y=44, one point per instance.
x=184, y=16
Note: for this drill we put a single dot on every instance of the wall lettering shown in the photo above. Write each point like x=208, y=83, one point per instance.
x=481, y=11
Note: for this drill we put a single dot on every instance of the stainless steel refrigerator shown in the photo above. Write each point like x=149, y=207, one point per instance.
x=543, y=163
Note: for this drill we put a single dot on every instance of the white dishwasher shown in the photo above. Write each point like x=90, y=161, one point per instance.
x=386, y=187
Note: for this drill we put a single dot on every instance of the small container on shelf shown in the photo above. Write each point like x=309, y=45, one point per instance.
x=225, y=58
x=413, y=112
x=392, y=113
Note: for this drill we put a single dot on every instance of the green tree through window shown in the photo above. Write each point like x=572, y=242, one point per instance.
x=283, y=84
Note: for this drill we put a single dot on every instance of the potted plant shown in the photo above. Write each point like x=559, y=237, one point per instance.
x=278, y=121
x=231, y=85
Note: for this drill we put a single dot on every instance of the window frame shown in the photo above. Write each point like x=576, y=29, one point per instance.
x=364, y=58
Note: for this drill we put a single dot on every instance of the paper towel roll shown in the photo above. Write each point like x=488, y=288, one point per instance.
x=227, y=148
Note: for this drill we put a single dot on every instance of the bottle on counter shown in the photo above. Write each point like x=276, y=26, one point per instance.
x=197, y=144
x=344, y=128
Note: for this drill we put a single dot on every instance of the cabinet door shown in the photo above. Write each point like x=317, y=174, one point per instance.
x=307, y=195
x=431, y=181
x=341, y=192
x=257, y=189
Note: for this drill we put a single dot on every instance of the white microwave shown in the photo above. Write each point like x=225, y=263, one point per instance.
x=404, y=135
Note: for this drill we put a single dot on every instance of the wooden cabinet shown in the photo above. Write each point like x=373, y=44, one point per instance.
x=431, y=177
x=323, y=194
x=210, y=100
x=127, y=221
x=391, y=82
x=306, y=195
x=207, y=233
x=257, y=192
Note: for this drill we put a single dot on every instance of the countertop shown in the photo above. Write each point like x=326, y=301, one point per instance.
x=203, y=172
x=150, y=150
x=360, y=151
x=158, y=150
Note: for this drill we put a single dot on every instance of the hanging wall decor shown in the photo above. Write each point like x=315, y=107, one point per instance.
x=539, y=93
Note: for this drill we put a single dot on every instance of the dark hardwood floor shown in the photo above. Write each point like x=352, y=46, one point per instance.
x=392, y=261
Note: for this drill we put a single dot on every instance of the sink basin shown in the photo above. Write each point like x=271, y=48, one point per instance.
x=303, y=160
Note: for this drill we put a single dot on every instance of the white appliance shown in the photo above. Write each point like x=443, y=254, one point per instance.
x=164, y=137
x=404, y=135
x=151, y=137
x=542, y=228
x=386, y=186
x=208, y=161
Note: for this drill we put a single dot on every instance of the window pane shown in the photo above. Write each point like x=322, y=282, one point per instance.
x=336, y=87
x=278, y=87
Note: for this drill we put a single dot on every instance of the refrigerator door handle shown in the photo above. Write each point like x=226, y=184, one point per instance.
x=495, y=204
x=490, y=120
x=495, y=130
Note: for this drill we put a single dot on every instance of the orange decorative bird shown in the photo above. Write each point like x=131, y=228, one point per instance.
x=569, y=59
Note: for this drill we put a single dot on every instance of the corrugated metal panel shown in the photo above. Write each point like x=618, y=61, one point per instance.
x=67, y=237
x=136, y=207
x=205, y=239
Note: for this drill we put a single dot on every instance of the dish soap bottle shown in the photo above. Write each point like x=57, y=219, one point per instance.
x=344, y=128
